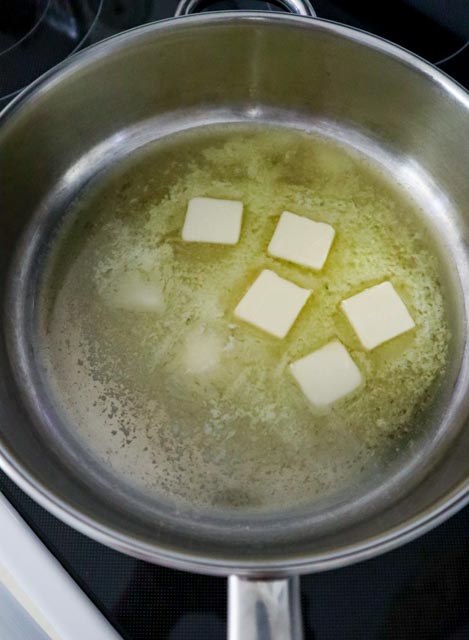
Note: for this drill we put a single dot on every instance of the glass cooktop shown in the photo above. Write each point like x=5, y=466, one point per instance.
x=420, y=591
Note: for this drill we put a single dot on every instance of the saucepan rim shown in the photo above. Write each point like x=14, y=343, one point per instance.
x=199, y=562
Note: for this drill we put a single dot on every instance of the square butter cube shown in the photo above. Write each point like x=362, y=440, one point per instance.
x=213, y=220
x=326, y=375
x=302, y=241
x=377, y=315
x=272, y=303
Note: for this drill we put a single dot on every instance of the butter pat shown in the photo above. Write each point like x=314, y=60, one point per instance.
x=213, y=220
x=326, y=375
x=272, y=303
x=302, y=241
x=377, y=315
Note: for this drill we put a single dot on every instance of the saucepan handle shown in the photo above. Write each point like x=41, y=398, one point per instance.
x=300, y=7
x=264, y=609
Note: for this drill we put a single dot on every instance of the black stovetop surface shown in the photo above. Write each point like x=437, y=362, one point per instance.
x=420, y=591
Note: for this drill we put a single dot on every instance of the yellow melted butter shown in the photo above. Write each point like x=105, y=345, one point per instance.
x=240, y=432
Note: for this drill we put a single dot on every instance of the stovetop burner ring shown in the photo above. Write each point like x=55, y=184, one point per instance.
x=56, y=28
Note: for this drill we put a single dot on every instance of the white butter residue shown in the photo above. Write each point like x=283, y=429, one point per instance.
x=134, y=291
x=202, y=351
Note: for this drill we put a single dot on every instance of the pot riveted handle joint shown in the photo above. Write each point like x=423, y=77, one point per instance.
x=299, y=7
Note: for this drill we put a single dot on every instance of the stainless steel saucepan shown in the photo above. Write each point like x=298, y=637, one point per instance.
x=105, y=102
